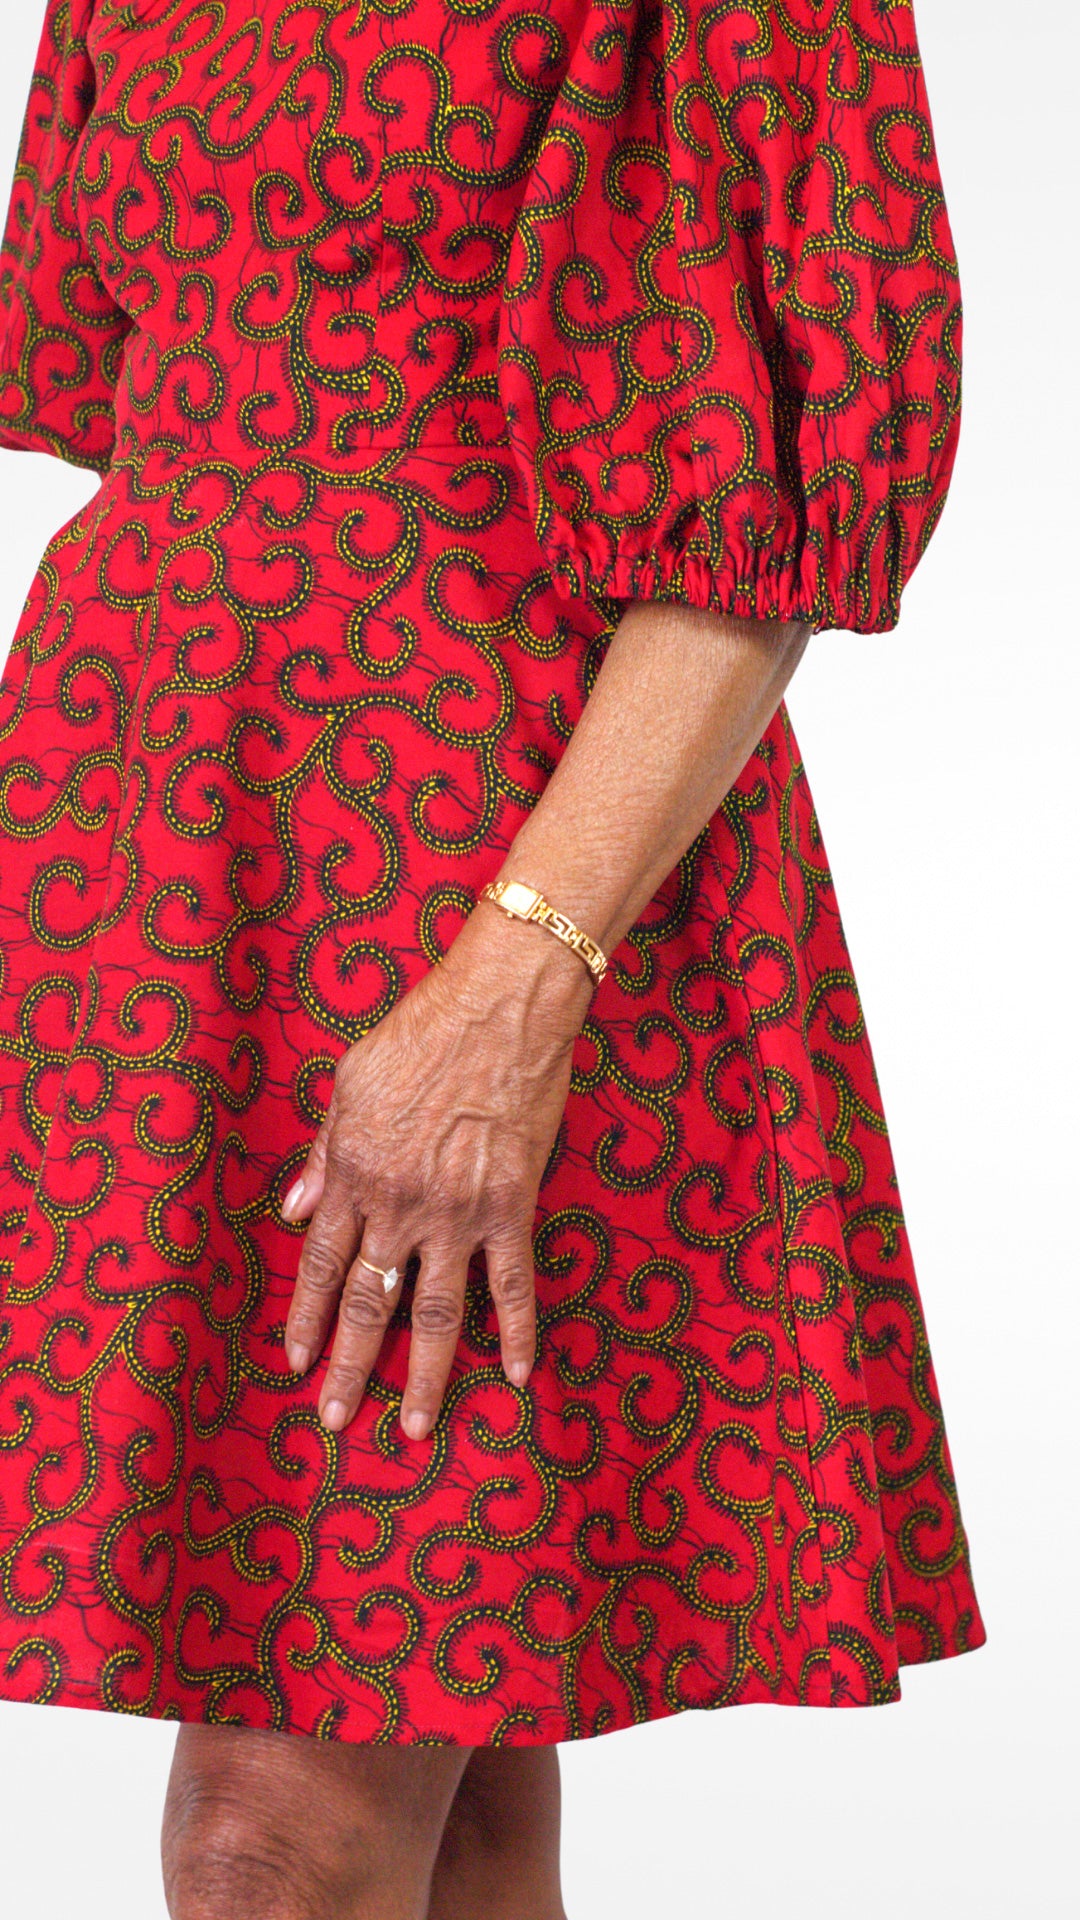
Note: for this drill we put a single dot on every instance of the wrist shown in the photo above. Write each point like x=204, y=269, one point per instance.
x=578, y=879
x=522, y=902
x=516, y=966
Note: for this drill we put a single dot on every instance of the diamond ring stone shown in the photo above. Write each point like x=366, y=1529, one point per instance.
x=388, y=1275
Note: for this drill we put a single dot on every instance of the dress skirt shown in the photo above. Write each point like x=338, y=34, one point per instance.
x=281, y=696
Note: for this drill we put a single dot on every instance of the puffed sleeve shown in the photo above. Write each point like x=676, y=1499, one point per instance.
x=730, y=335
x=60, y=332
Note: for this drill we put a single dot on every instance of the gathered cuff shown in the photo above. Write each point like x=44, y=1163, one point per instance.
x=762, y=587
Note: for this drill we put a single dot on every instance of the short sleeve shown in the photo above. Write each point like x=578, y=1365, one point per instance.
x=60, y=332
x=731, y=330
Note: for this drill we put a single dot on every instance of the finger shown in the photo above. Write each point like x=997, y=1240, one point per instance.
x=364, y=1313
x=330, y=1246
x=437, y=1313
x=512, y=1283
x=304, y=1195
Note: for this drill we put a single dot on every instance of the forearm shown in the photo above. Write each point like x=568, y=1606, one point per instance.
x=681, y=700
x=443, y=1117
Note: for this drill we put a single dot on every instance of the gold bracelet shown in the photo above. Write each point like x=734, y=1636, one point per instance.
x=525, y=903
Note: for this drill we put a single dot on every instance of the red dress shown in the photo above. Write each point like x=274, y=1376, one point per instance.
x=409, y=343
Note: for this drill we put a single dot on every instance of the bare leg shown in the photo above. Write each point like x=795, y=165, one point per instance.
x=499, y=1856
x=270, y=1826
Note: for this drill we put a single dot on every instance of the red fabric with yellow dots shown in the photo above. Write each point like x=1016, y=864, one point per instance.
x=409, y=343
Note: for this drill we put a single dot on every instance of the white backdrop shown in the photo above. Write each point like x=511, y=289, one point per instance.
x=941, y=758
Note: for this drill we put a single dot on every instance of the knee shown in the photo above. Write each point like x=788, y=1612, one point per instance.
x=270, y=1827
x=507, y=1805
x=481, y=1825
x=219, y=1859
x=223, y=1856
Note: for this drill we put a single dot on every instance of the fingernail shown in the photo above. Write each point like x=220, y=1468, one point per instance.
x=415, y=1425
x=292, y=1200
x=334, y=1415
x=299, y=1358
x=518, y=1372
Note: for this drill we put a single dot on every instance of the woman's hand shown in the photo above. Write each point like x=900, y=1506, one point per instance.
x=435, y=1140
x=442, y=1119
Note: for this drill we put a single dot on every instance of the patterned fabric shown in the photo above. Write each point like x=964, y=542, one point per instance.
x=409, y=340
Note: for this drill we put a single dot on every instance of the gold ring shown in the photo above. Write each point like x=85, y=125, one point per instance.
x=388, y=1275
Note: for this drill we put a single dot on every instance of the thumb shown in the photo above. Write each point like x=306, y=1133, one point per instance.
x=304, y=1195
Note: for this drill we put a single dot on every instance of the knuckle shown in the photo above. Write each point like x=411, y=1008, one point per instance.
x=437, y=1312
x=363, y=1311
x=504, y=1200
x=449, y=1201
x=344, y=1382
x=306, y=1323
x=454, y=1201
x=425, y=1389
x=343, y=1154
x=513, y=1286
x=321, y=1269
x=400, y=1192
